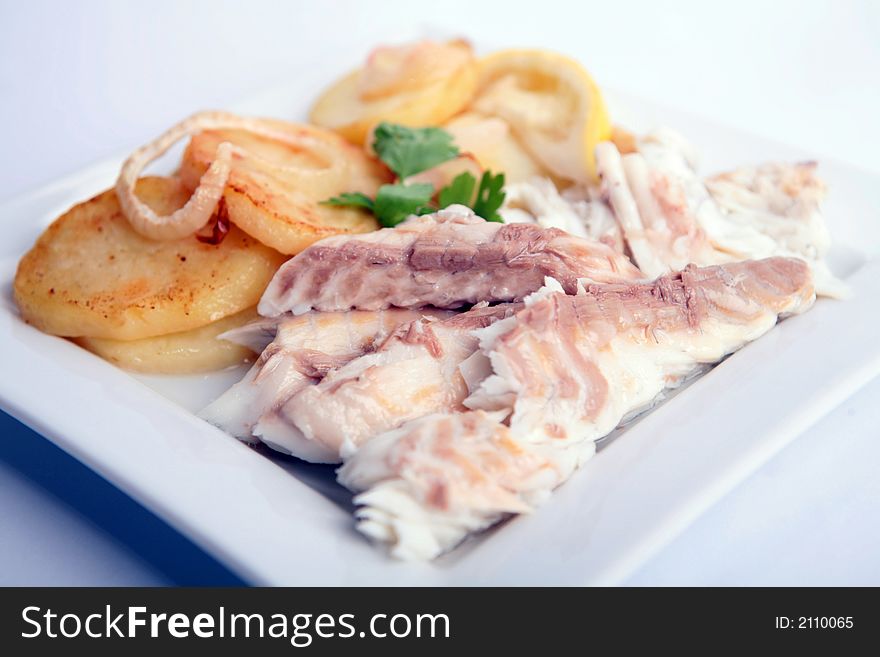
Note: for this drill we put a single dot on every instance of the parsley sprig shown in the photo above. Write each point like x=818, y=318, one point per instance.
x=409, y=151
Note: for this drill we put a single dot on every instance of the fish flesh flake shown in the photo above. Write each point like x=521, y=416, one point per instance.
x=303, y=350
x=670, y=217
x=415, y=372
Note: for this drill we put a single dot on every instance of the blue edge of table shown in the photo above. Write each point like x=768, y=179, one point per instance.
x=88, y=494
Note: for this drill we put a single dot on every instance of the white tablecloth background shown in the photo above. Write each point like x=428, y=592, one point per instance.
x=86, y=80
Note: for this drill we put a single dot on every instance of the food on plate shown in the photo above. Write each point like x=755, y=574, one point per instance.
x=419, y=84
x=188, y=352
x=671, y=217
x=301, y=350
x=552, y=105
x=90, y=274
x=447, y=260
x=417, y=370
x=275, y=187
x=566, y=369
x=487, y=277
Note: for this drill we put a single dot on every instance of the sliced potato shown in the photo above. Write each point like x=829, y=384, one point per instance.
x=91, y=274
x=187, y=352
x=275, y=192
x=420, y=84
x=552, y=104
x=491, y=141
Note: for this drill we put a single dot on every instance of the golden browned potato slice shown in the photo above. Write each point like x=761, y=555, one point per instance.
x=275, y=192
x=419, y=84
x=187, y=352
x=91, y=274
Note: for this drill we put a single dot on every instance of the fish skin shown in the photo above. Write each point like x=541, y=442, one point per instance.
x=449, y=259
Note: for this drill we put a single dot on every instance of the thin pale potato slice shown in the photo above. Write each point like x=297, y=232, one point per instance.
x=492, y=142
x=91, y=274
x=275, y=192
x=187, y=352
x=417, y=85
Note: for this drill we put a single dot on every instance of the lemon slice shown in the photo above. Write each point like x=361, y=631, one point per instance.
x=552, y=105
x=419, y=84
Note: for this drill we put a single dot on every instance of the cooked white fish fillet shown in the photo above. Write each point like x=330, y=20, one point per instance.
x=303, y=350
x=447, y=260
x=566, y=370
x=442, y=476
x=416, y=371
x=670, y=217
x=660, y=210
x=783, y=203
x=579, y=210
x=570, y=367
x=594, y=208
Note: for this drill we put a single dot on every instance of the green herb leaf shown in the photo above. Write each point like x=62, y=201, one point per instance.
x=460, y=190
x=394, y=203
x=408, y=151
x=490, y=196
x=355, y=200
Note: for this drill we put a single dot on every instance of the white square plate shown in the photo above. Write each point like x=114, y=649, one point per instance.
x=278, y=521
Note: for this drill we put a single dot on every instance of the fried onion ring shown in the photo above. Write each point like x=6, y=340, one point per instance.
x=199, y=209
